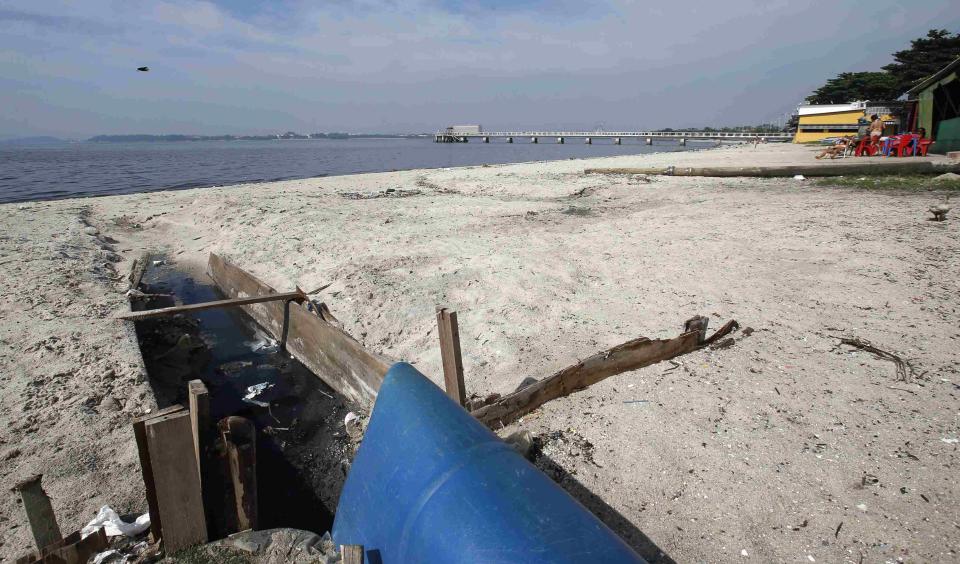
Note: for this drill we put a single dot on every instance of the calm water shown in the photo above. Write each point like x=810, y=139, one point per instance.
x=93, y=169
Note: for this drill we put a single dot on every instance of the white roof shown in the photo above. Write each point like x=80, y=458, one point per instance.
x=814, y=109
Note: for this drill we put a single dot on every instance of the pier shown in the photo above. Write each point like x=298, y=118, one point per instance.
x=617, y=137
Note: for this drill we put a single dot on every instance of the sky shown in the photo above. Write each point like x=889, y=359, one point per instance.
x=68, y=68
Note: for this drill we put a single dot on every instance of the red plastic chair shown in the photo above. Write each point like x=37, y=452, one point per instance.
x=923, y=145
x=865, y=147
x=905, y=145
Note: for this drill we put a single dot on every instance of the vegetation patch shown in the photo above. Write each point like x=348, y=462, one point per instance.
x=906, y=183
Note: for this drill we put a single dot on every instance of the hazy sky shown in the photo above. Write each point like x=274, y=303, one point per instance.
x=68, y=68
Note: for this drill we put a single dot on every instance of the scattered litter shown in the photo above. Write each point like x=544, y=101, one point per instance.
x=836, y=534
x=262, y=344
x=157, y=262
x=743, y=552
x=352, y=424
x=799, y=177
x=254, y=391
x=811, y=558
x=636, y=401
x=862, y=506
x=114, y=526
x=904, y=370
x=950, y=440
x=112, y=556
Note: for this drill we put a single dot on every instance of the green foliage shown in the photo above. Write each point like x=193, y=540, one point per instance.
x=925, y=57
x=908, y=183
x=850, y=86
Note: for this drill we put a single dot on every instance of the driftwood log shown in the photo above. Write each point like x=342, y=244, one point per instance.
x=870, y=168
x=621, y=358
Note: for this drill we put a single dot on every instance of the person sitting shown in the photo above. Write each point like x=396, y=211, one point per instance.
x=838, y=149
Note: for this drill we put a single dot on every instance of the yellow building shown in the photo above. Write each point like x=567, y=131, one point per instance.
x=816, y=122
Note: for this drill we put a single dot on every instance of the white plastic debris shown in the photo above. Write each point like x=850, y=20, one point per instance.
x=950, y=440
x=743, y=552
x=350, y=417
x=254, y=391
x=157, y=262
x=262, y=344
x=114, y=526
x=111, y=556
x=799, y=177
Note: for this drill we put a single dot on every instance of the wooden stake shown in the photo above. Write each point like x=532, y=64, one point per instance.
x=39, y=510
x=140, y=433
x=351, y=553
x=240, y=439
x=450, y=354
x=199, y=421
x=177, y=485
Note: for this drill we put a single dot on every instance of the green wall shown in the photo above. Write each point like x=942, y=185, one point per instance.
x=948, y=137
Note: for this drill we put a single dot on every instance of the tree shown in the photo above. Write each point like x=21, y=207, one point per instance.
x=850, y=86
x=925, y=57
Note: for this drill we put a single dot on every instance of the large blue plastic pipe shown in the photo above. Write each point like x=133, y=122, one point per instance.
x=432, y=484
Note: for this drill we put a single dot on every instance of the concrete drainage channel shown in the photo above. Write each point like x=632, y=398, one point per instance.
x=303, y=451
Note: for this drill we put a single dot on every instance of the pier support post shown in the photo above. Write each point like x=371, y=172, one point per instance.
x=617, y=141
x=589, y=141
x=683, y=142
x=486, y=139
x=509, y=139
x=649, y=140
x=560, y=140
x=533, y=140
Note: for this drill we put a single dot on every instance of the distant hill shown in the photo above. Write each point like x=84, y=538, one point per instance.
x=33, y=141
x=283, y=136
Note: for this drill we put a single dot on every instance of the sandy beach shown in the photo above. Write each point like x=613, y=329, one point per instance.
x=783, y=447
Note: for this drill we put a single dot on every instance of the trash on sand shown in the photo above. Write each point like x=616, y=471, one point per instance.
x=636, y=401
x=799, y=177
x=352, y=424
x=950, y=440
x=110, y=556
x=157, y=262
x=114, y=526
x=254, y=391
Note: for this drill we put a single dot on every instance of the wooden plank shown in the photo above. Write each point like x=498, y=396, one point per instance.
x=179, y=500
x=867, y=168
x=240, y=441
x=233, y=302
x=39, y=510
x=199, y=402
x=329, y=352
x=79, y=551
x=621, y=358
x=140, y=433
x=450, y=354
x=351, y=553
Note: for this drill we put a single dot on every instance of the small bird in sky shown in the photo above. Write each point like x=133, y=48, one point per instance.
x=143, y=69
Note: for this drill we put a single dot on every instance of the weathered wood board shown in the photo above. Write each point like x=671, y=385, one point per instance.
x=176, y=481
x=329, y=352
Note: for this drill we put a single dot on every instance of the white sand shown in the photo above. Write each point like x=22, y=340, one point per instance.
x=545, y=265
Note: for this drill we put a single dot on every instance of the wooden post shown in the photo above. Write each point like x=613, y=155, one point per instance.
x=240, y=439
x=177, y=485
x=199, y=421
x=140, y=433
x=450, y=354
x=36, y=504
x=698, y=324
x=351, y=553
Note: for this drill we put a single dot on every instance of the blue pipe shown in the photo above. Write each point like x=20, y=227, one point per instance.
x=432, y=484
